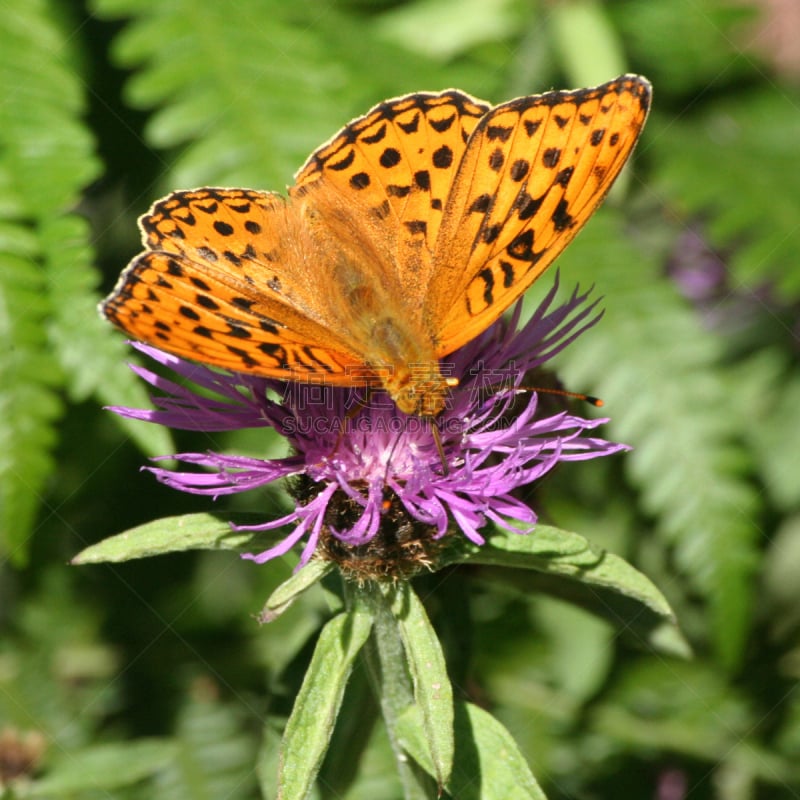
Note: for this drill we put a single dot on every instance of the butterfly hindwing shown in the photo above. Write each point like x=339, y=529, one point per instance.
x=533, y=172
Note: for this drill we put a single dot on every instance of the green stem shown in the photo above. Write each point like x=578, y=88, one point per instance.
x=391, y=681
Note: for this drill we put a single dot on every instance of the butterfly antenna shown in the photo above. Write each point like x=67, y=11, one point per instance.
x=587, y=398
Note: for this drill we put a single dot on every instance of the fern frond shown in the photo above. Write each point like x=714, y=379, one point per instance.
x=34, y=95
x=767, y=394
x=245, y=91
x=29, y=403
x=658, y=371
x=736, y=162
x=52, y=338
x=215, y=753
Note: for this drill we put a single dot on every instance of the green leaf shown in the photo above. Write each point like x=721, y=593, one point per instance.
x=679, y=706
x=389, y=671
x=310, y=726
x=433, y=694
x=443, y=29
x=488, y=763
x=244, y=108
x=105, y=767
x=52, y=336
x=45, y=158
x=766, y=390
x=29, y=406
x=177, y=535
x=289, y=590
x=557, y=552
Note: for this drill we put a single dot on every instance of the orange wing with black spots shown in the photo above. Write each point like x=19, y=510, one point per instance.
x=217, y=285
x=404, y=237
x=534, y=171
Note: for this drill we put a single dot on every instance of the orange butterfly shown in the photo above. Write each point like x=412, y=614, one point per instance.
x=403, y=238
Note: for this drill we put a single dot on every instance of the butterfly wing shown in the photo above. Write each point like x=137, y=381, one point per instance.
x=534, y=170
x=394, y=168
x=219, y=283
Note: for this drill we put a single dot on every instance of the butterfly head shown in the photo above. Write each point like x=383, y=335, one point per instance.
x=420, y=393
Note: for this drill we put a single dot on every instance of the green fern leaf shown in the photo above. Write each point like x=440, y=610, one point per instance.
x=29, y=404
x=49, y=323
x=246, y=110
x=658, y=370
x=93, y=362
x=215, y=752
x=736, y=162
x=248, y=90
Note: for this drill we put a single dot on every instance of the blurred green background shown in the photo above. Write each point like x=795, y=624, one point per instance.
x=152, y=679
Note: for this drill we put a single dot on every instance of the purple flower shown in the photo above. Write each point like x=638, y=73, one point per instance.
x=371, y=487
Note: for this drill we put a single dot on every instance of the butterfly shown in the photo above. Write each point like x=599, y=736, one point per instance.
x=404, y=237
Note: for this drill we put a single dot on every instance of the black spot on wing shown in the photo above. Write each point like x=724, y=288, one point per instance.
x=443, y=157
x=343, y=163
x=500, y=132
x=561, y=217
x=531, y=126
x=508, y=273
x=521, y=247
x=206, y=302
x=551, y=157
x=412, y=126
x=496, y=160
x=199, y=283
x=416, y=226
x=488, y=280
x=189, y=313
x=390, y=157
x=519, y=169
x=442, y=125
x=422, y=179
x=374, y=138
x=481, y=204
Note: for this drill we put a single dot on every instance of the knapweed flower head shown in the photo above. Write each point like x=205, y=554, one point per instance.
x=373, y=490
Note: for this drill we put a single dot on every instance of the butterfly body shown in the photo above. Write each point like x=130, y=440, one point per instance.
x=403, y=238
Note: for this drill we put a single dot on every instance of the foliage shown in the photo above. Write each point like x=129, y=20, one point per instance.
x=151, y=678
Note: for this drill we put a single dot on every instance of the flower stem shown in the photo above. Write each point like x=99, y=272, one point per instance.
x=391, y=681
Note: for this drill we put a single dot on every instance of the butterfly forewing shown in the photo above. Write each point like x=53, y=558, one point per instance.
x=534, y=171
x=220, y=285
x=397, y=162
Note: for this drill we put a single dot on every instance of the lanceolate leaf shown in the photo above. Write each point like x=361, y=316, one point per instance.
x=309, y=729
x=433, y=693
x=488, y=763
x=175, y=535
